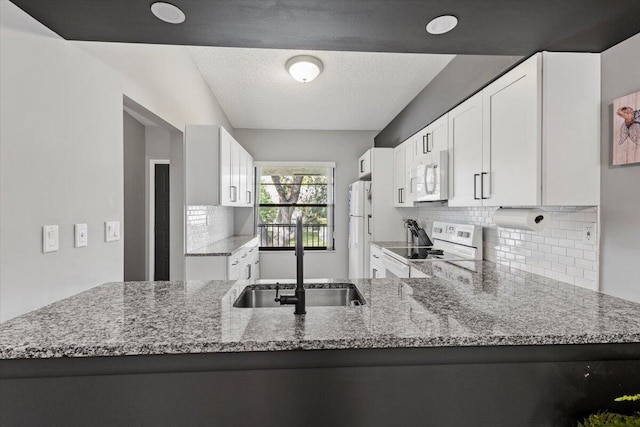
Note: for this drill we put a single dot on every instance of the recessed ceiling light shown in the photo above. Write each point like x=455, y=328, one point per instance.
x=442, y=24
x=304, y=68
x=168, y=13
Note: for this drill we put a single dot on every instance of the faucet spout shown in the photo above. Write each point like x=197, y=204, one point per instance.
x=298, y=298
x=300, y=294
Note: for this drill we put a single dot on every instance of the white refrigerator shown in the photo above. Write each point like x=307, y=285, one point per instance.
x=360, y=223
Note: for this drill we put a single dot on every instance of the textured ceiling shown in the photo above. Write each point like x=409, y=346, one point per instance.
x=356, y=90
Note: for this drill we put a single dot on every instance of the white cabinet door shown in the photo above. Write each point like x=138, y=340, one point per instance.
x=409, y=163
x=512, y=145
x=226, y=148
x=431, y=140
x=437, y=136
x=242, y=177
x=376, y=265
x=201, y=157
x=255, y=269
x=399, y=193
x=364, y=165
x=234, y=190
x=250, y=172
x=465, y=152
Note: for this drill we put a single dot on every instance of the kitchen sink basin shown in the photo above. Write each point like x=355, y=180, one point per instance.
x=316, y=295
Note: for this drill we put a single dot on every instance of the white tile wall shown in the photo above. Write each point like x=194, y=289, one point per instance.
x=556, y=252
x=208, y=224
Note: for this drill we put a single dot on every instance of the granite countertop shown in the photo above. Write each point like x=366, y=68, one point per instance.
x=454, y=307
x=392, y=244
x=224, y=247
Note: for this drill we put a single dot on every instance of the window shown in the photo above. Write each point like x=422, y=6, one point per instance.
x=291, y=190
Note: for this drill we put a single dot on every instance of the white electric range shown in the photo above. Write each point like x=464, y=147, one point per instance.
x=452, y=242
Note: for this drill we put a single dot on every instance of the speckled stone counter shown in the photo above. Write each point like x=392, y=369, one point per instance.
x=224, y=247
x=391, y=244
x=453, y=307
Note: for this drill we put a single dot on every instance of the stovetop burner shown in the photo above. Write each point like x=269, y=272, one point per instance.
x=418, y=252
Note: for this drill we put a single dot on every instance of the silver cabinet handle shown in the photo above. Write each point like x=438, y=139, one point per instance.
x=249, y=271
x=369, y=224
x=374, y=273
x=248, y=196
x=234, y=193
x=362, y=165
x=376, y=256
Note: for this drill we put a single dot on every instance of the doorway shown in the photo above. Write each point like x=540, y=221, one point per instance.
x=161, y=221
x=154, y=227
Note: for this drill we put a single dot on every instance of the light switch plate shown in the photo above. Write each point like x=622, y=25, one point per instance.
x=50, y=240
x=111, y=231
x=81, y=235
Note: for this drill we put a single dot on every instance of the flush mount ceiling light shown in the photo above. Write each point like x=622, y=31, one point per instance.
x=442, y=24
x=168, y=13
x=304, y=68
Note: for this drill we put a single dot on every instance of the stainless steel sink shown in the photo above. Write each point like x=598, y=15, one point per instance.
x=316, y=295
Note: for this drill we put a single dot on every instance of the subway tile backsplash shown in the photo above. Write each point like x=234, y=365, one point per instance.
x=557, y=252
x=208, y=224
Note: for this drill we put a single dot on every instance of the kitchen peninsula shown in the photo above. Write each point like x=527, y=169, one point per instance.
x=447, y=339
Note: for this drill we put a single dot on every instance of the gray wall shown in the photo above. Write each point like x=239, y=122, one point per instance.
x=61, y=157
x=620, y=185
x=134, y=197
x=460, y=79
x=341, y=147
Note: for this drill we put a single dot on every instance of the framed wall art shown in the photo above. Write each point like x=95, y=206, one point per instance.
x=626, y=129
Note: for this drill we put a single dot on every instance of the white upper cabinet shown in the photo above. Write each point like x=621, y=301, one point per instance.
x=531, y=137
x=226, y=172
x=511, y=138
x=364, y=164
x=202, y=154
x=218, y=170
x=431, y=140
x=465, y=152
x=251, y=178
x=403, y=157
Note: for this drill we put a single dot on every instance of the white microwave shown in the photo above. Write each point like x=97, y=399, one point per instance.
x=429, y=182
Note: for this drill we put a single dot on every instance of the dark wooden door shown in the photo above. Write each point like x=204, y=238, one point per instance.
x=161, y=218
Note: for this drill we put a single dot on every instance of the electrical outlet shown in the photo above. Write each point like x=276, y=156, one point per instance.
x=589, y=233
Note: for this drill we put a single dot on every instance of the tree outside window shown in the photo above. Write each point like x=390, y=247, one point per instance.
x=289, y=192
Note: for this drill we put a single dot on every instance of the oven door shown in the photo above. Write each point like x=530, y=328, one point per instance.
x=395, y=267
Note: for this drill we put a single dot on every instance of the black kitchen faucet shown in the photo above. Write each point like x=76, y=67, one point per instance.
x=298, y=298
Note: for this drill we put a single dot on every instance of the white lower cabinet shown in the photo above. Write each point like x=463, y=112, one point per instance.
x=377, y=269
x=244, y=264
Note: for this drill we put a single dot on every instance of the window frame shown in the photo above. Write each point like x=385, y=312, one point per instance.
x=329, y=205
